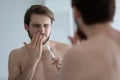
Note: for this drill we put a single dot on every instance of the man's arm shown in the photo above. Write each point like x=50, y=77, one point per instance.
x=13, y=66
x=34, y=51
x=15, y=72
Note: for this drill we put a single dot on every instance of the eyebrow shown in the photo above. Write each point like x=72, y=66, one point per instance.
x=36, y=24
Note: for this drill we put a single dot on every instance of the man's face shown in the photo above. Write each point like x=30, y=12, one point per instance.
x=41, y=24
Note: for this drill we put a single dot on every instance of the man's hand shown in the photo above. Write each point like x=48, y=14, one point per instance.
x=56, y=62
x=75, y=39
x=34, y=49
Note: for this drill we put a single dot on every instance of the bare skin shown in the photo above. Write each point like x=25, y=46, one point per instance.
x=98, y=58
x=27, y=67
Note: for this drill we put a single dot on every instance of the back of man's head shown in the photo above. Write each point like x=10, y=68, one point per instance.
x=95, y=11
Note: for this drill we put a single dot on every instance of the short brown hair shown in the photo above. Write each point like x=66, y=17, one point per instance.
x=38, y=9
x=95, y=11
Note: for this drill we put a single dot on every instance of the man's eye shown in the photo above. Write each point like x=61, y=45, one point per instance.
x=35, y=26
x=46, y=25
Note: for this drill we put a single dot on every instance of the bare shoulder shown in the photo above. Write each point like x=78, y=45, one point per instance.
x=17, y=53
x=14, y=63
x=73, y=61
x=59, y=45
x=87, y=60
x=84, y=55
x=86, y=52
x=75, y=53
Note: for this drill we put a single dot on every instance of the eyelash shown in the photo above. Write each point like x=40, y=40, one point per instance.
x=46, y=26
x=35, y=26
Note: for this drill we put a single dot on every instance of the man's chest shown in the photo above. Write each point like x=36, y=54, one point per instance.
x=45, y=70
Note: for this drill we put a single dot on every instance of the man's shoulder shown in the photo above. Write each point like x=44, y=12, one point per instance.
x=17, y=51
x=83, y=50
x=82, y=54
x=59, y=44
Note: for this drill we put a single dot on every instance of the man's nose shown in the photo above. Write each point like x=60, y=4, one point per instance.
x=42, y=30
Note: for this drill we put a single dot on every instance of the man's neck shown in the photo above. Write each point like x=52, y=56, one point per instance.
x=96, y=29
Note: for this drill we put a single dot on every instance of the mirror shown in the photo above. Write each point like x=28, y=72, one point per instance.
x=12, y=27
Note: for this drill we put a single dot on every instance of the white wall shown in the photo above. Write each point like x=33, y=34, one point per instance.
x=116, y=23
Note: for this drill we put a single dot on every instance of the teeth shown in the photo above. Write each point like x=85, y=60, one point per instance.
x=50, y=51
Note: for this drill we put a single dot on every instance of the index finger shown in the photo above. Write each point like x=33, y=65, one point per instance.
x=33, y=38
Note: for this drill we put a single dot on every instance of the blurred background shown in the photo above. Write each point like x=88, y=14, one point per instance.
x=12, y=33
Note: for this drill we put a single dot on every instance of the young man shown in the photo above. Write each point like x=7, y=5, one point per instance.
x=37, y=60
x=97, y=57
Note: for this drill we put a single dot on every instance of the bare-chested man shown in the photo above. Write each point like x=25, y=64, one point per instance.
x=39, y=59
x=98, y=57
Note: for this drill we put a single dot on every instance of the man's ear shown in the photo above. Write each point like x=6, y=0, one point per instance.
x=76, y=12
x=26, y=27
